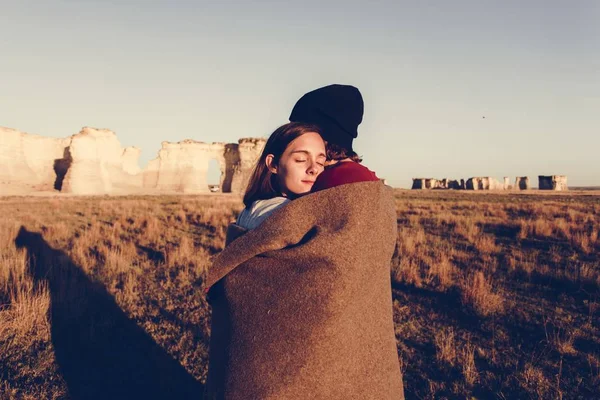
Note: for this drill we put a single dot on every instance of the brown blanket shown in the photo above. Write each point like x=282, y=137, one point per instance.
x=302, y=305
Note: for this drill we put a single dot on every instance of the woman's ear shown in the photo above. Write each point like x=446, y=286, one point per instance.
x=270, y=164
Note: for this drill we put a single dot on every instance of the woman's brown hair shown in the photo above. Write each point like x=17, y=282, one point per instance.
x=262, y=184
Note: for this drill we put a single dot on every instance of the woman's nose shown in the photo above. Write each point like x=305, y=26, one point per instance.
x=313, y=168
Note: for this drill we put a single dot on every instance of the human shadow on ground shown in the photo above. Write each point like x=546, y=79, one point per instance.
x=101, y=353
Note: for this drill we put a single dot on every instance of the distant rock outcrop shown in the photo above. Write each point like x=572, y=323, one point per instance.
x=552, y=182
x=477, y=183
x=431, y=183
x=183, y=166
x=424, y=183
x=522, y=183
x=32, y=160
x=484, y=183
x=248, y=151
x=93, y=162
x=99, y=165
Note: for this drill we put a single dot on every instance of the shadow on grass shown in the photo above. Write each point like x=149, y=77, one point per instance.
x=446, y=303
x=502, y=230
x=101, y=353
x=156, y=256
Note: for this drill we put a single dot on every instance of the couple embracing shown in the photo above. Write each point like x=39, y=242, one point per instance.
x=301, y=295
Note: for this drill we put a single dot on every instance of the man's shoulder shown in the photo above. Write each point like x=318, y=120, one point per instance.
x=358, y=168
x=343, y=173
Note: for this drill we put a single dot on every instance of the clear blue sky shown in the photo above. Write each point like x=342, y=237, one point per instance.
x=156, y=71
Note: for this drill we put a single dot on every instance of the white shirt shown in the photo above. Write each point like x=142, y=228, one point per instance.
x=253, y=216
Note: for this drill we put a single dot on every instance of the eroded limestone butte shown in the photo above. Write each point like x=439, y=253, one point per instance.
x=183, y=166
x=99, y=165
x=31, y=161
x=94, y=162
x=552, y=182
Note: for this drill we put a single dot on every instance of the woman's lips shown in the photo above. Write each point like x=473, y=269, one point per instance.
x=311, y=182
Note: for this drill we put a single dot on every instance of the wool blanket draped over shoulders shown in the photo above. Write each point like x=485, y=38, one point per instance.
x=302, y=305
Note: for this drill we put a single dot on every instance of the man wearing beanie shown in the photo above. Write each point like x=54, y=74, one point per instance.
x=337, y=110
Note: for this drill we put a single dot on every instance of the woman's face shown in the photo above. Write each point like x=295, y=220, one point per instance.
x=300, y=164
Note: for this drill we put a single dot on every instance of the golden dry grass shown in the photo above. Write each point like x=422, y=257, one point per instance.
x=495, y=295
x=498, y=289
x=140, y=260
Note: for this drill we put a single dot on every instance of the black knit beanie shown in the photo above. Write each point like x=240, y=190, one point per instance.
x=336, y=109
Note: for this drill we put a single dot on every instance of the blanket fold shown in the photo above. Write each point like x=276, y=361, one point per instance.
x=302, y=305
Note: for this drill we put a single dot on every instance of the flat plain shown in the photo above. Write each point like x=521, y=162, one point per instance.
x=495, y=294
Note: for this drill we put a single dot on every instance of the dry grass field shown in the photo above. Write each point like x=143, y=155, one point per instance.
x=496, y=295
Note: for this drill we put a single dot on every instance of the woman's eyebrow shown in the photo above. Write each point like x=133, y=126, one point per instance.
x=300, y=151
x=308, y=152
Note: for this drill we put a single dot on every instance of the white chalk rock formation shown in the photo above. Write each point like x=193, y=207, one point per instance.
x=249, y=150
x=419, y=183
x=93, y=162
x=31, y=160
x=99, y=165
x=522, y=183
x=552, y=182
x=432, y=183
x=424, y=183
x=131, y=159
x=183, y=166
x=484, y=183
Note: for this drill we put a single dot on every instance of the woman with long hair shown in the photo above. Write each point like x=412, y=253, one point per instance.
x=291, y=160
